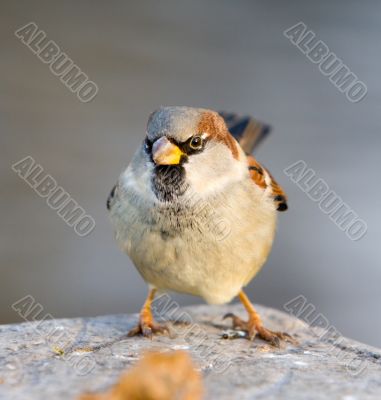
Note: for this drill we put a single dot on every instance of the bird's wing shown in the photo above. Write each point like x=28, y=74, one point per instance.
x=248, y=131
x=262, y=178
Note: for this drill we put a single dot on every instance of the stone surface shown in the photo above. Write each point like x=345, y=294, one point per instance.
x=59, y=359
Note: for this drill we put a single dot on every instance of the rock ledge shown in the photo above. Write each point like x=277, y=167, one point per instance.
x=59, y=359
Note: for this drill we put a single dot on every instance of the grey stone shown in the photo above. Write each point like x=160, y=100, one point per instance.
x=59, y=359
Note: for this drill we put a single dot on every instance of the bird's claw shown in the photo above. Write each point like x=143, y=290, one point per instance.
x=253, y=330
x=148, y=329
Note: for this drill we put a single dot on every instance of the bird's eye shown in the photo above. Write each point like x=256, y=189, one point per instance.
x=147, y=145
x=196, y=143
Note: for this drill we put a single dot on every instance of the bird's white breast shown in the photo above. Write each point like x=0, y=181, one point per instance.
x=205, y=247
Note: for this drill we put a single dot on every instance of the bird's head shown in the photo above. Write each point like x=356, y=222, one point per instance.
x=190, y=148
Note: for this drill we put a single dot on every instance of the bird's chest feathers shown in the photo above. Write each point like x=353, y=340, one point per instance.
x=167, y=232
x=177, y=221
x=168, y=242
x=180, y=245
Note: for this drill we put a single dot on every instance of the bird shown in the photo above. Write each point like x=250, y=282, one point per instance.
x=197, y=213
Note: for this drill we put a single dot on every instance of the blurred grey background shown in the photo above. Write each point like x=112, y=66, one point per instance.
x=217, y=54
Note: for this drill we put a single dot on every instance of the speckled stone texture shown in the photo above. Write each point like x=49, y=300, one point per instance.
x=59, y=359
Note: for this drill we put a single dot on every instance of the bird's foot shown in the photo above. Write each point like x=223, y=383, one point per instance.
x=148, y=328
x=254, y=328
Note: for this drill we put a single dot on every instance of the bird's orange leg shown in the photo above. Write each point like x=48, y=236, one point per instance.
x=254, y=325
x=147, y=325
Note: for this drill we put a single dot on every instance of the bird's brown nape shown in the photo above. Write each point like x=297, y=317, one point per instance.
x=213, y=124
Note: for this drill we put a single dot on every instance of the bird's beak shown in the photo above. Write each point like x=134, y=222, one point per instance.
x=166, y=153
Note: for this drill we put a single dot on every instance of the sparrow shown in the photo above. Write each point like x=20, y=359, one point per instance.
x=197, y=213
